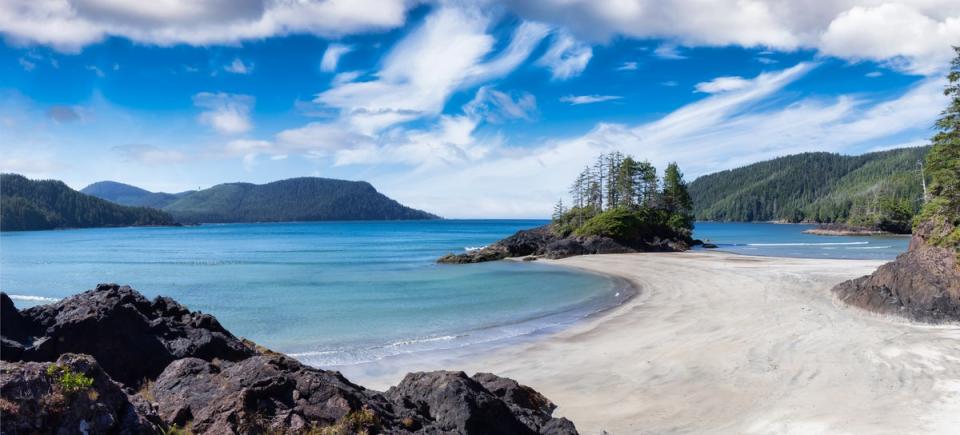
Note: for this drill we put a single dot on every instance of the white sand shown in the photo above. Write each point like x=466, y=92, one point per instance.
x=720, y=343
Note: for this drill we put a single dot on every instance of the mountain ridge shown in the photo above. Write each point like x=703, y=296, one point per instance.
x=292, y=199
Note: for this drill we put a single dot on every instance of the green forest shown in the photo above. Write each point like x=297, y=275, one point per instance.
x=295, y=199
x=882, y=190
x=942, y=211
x=623, y=198
x=49, y=204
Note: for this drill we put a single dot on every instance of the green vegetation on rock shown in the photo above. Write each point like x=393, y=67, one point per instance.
x=48, y=204
x=622, y=198
x=881, y=190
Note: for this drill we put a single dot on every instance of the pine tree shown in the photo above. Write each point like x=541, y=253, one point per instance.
x=943, y=168
x=676, y=198
x=558, y=211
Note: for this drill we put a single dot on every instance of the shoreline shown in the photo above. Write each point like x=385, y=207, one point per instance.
x=718, y=342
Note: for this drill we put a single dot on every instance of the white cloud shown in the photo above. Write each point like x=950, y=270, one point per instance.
x=26, y=64
x=69, y=25
x=96, y=70
x=588, y=99
x=720, y=131
x=238, y=66
x=332, y=56
x=566, y=56
x=873, y=74
x=149, y=154
x=668, y=51
x=344, y=77
x=627, y=66
x=915, y=35
x=449, y=51
x=225, y=113
x=492, y=105
x=722, y=84
x=894, y=32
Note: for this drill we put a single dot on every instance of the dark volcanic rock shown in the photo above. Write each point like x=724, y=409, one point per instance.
x=922, y=284
x=261, y=394
x=133, y=338
x=542, y=241
x=35, y=401
x=523, y=243
x=452, y=402
x=195, y=374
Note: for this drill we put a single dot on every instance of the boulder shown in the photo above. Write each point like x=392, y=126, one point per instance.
x=133, y=338
x=452, y=402
x=34, y=398
x=264, y=393
x=921, y=284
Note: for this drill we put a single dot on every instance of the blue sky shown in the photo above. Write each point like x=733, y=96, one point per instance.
x=465, y=109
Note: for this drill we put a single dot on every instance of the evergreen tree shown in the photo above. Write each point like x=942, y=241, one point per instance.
x=675, y=196
x=943, y=168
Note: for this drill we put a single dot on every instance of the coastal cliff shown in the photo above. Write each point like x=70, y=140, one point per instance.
x=111, y=361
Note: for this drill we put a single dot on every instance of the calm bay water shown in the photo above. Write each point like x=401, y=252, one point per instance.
x=336, y=293
x=332, y=293
x=788, y=240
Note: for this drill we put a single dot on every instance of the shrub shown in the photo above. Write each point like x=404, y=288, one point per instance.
x=69, y=381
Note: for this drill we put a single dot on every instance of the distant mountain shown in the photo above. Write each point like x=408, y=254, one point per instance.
x=130, y=195
x=48, y=204
x=881, y=189
x=295, y=199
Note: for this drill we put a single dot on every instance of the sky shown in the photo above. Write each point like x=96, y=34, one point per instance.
x=482, y=109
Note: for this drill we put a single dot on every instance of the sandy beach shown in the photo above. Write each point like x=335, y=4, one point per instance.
x=721, y=343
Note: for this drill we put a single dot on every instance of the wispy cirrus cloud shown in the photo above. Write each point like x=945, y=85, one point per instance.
x=332, y=55
x=588, y=99
x=225, y=113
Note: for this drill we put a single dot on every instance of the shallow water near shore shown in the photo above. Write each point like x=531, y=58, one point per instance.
x=329, y=293
x=341, y=294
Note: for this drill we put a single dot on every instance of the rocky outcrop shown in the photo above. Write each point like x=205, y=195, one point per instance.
x=36, y=399
x=192, y=373
x=543, y=242
x=452, y=402
x=117, y=326
x=921, y=284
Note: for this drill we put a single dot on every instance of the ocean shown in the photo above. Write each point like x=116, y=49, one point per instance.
x=340, y=293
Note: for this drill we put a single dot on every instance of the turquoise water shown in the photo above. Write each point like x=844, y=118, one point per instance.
x=331, y=293
x=788, y=240
x=342, y=293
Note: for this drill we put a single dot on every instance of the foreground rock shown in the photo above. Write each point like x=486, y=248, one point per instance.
x=172, y=368
x=37, y=400
x=543, y=242
x=921, y=284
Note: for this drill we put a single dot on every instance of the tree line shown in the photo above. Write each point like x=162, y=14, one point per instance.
x=617, y=181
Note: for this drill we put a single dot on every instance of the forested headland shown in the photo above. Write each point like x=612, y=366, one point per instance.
x=49, y=204
x=881, y=190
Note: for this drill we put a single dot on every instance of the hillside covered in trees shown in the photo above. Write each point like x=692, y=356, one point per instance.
x=880, y=190
x=295, y=199
x=49, y=204
x=126, y=194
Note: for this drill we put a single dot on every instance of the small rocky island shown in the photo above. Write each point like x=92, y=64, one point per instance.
x=619, y=206
x=111, y=361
